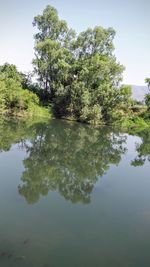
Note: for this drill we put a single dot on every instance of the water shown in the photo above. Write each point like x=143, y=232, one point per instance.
x=73, y=196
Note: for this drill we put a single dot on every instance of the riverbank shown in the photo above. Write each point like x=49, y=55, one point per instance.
x=42, y=113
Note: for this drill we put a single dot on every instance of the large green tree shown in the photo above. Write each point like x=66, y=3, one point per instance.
x=52, y=54
x=79, y=74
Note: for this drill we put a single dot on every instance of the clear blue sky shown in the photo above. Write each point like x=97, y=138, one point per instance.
x=130, y=19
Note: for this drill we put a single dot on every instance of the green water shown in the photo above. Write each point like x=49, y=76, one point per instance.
x=73, y=196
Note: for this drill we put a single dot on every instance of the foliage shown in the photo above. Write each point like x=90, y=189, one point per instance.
x=134, y=123
x=79, y=78
x=14, y=98
x=147, y=80
x=79, y=74
x=10, y=71
x=147, y=101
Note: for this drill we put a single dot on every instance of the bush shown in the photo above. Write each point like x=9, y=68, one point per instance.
x=13, y=98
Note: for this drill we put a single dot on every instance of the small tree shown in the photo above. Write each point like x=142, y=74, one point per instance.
x=147, y=80
x=147, y=97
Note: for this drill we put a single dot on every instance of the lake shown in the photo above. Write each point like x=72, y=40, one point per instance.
x=73, y=196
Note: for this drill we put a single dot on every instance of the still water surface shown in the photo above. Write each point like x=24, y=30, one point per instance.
x=73, y=196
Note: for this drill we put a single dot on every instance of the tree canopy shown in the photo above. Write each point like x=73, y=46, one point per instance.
x=79, y=74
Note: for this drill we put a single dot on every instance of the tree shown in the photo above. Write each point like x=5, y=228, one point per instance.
x=53, y=66
x=51, y=27
x=147, y=97
x=79, y=74
x=13, y=97
x=147, y=101
x=147, y=80
x=10, y=71
x=52, y=56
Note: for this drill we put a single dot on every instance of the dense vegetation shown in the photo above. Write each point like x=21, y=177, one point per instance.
x=147, y=97
x=15, y=96
x=78, y=76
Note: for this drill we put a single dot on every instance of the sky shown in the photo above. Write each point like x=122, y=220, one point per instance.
x=130, y=19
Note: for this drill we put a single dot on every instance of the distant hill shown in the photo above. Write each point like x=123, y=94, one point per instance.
x=139, y=92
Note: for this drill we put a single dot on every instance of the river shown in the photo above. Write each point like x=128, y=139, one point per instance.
x=73, y=196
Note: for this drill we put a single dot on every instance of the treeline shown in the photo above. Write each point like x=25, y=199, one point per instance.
x=77, y=75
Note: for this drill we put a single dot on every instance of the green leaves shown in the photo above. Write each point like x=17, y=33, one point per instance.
x=147, y=80
x=51, y=27
x=147, y=101
x=10, y=71
x=92, y=41
x=80, y=72
x=13, y=97
x=147, y=97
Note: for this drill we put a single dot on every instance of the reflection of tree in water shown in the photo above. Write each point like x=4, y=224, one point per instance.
x=11, y=132
x=68, y=158
x=16, y=131
x=143, y=149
